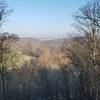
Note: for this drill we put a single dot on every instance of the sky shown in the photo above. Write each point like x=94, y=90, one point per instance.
x=41, y=18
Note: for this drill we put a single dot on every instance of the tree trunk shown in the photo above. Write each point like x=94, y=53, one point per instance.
x=3, y=86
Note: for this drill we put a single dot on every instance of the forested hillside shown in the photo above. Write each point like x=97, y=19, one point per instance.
x=52, y=69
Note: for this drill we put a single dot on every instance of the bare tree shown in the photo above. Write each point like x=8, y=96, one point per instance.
x=87, y=22
x=6, y=40
x=4, y=11
x=5, y=43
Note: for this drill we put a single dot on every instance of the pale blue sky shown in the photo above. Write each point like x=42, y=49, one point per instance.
x=41, y=18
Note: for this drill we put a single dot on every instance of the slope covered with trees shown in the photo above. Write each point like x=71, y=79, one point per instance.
x=61, y=69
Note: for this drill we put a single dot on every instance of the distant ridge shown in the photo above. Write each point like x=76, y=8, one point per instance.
x=42, y=39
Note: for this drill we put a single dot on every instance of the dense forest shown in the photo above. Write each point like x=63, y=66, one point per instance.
x=56, y=69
